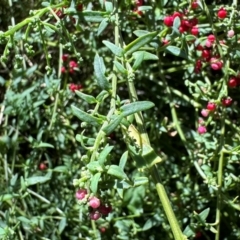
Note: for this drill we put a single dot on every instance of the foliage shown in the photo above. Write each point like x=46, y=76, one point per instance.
x=119, y=120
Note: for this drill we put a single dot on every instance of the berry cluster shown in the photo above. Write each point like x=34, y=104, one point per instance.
x=70, y=65
x=187, y=25
x=97, y=209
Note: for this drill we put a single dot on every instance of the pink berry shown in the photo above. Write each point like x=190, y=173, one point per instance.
x=211, y=106
x=168, y=21
x=230, y=33
x=233, y=82
x=202, y=129
x=208, y=43
x=94, y=215
x=194, y=31
x=81, y=194
x=73, y=64
x=102, y=229
x=94, y=202
x=139, y=2
x=205, y=112
x=216, y=64
x=63, y=69
x=222, y=13
x=226, y=101
x=165, y=41
x=42, y=166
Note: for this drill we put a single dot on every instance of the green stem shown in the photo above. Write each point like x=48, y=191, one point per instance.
x=178, y=235
x=220, y=177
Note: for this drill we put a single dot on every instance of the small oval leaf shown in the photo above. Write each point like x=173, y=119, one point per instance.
x=117, y=172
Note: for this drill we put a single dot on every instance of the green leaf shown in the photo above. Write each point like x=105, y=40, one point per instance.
x=6, y=197
x=115, y=49
x=146, y=55
x=139, y=42
x=104, y=153
x=123, y=160
x=82, y=139
x=99, y=69
x=62, y=169
x=88, y=98
x=44, y=145
x=117, y=172
x=102, y=26
x=62, y=225
x=113, y=124
x=140, y=181
x=94, y=166
x=120, y=67
x=92, y=16
x=37, y=179
x=138, y=60
x=144, y=8
x=177, y=51
x=24, y=220
x=134, y=107
x=108, y=6
x=204, y=214
x=188, y=231
x=102, y=95
x=94, y=182
x=140, y=33
x=85, y=117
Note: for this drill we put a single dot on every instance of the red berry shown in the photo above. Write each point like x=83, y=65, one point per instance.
x=73, y=64
x=211, y=38
x=222, y=13
x=80, y=7
x=194, y=31
x=233, y=82
x=105, y=209
x=65, y=57
x=177, y=14
x=168, y=21
x=198, y=66
x=42, y=166
x=59, y=13
x=226, y=101
x=199, y=47
x=211, y=106
x=95, y=215
x=73, y=87
x=206, y=54
x=193, y=22
x=194, y=4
